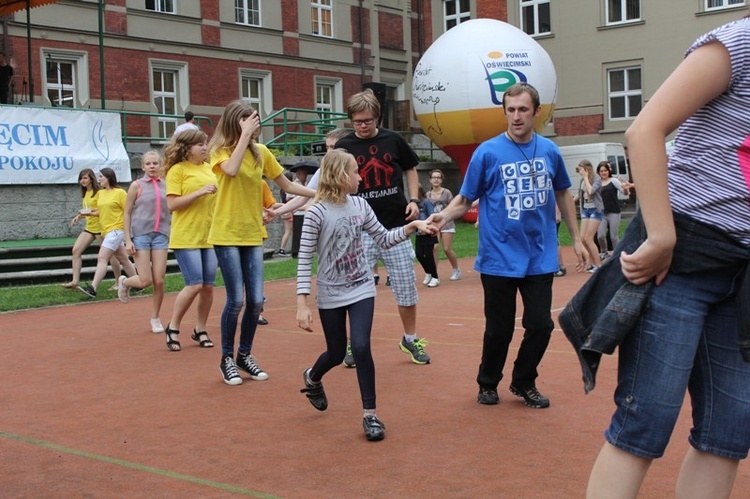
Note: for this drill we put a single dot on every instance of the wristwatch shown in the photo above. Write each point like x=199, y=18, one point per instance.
x=414, y=200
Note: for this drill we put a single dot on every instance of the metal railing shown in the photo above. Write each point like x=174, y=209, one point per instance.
x=293, y=130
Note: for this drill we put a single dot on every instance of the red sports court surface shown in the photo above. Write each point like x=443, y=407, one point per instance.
x=94, y=405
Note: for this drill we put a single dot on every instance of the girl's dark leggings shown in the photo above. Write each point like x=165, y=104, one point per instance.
x=333, y=321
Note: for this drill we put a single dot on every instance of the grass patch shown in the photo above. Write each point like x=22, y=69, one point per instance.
x=45, y=295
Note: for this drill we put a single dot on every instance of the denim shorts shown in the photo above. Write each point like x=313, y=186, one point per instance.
x=592, y=214
x=685, y=341
x=198, y=266
x=399, y=263
x=152, y=240
x=114, y=239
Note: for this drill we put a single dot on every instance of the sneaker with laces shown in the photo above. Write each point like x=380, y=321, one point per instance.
x=416, y=350
x=123, y=291
x=456, y=275
x=349, y=358
x=88, y=290
x=488, y=396
x=427, y=279
x=156, y=326
x=229, y=371
x=283, y=254
x=374, y=428
x=314, y=391
x=246, y=362
x=531, y=397
x=434, y=282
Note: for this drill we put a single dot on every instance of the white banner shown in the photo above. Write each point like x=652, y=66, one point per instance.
x=50, y=146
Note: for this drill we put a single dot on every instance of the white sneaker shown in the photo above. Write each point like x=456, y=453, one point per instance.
x=433, y=283
x=456, y=275
x=156, y=326
x=123, y=292
x=427, y=278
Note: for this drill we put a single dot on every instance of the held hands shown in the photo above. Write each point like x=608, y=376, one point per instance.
x=424, y=227
x=269, y=215
x=437, y=220
x=650, y=260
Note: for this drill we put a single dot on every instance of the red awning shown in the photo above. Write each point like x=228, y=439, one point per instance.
x=8, y=7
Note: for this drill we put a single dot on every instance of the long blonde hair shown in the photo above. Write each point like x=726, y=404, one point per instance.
x=586, y=164
x=333, y=185
x=228, y=131
x=178, y=149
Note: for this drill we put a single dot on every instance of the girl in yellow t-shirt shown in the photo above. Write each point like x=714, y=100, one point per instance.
x=240, y=164
x=191, y=186
x=93, y=230
x=110, y=209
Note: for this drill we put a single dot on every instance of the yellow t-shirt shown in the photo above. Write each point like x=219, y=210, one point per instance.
x=268, y=201
x=238, y=218
x=111, y=209
x=91, y=201
x=190, y=225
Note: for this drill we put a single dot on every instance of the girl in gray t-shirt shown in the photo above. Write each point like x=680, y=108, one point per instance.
x=333, y=225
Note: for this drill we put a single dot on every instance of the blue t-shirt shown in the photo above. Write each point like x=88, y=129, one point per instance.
x=515, y=185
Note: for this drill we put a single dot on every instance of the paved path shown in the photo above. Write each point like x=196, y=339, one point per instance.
x=94, y=405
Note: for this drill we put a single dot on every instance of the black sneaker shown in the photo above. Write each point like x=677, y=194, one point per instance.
x=87, y=290
x=246, y=362
x=531, y=397
x=374, y=428
x=387, y=280
x=349, y=358
x=376, y=278
x=314, y=391
x=415, y=350
x=488, y=396
x=229, y=371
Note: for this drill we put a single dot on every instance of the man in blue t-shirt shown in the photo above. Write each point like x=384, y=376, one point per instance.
x=518, y=178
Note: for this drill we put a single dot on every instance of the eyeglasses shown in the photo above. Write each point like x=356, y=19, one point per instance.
x=367, y=122
x=436, y=178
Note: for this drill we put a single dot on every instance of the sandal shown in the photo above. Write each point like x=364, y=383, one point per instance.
x=172, y=344
x=70, y=285
x=207, y=343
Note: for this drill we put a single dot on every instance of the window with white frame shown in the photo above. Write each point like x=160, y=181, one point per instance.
x=169, y=93
x=255, y=89
x=328, y=98
x=61, y=84
x=625, y=94
x=535, y=17
x=455, y=12
x=247, y=12
x=723, y=4
x=166, y=6
x=65, y=78
x=623, y=11
x=322, y=17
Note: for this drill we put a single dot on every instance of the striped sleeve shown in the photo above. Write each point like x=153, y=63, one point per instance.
x=308, y=241
x=383, y=237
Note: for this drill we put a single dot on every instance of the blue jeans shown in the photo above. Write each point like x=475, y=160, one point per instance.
x=198, y=266
x=686, y=340
x=242, y=270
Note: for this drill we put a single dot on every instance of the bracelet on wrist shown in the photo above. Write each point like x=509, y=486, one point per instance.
x=414, y=200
